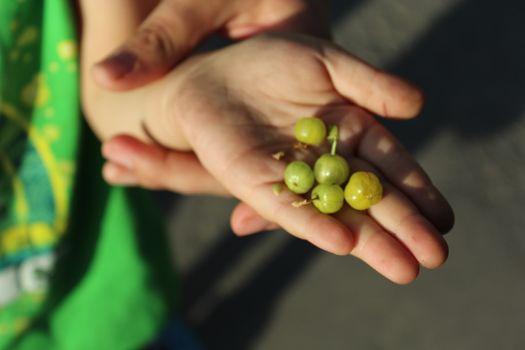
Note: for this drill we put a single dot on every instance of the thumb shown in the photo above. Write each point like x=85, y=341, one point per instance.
x=168, y=34
x=379, y=92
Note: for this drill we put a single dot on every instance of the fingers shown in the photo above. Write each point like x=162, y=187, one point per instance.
x=378, y=248
x=372, y=243
x=303, y=17
x=364, y=238
x=386, y=253
x=377, y=91
x=164, y=38
x=367, y=139
x=323, y=231
x=119, y=175
x=245, y=221
x=132, y=162
x=402, y=238
x=383, y=151
x=397, y=215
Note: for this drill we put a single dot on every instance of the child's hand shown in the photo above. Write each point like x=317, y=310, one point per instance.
x=237, y=107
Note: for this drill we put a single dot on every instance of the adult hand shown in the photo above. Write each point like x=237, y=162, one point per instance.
x=175, y=27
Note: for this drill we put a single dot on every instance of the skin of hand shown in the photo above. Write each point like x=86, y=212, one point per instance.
x=237, y=106
x=173, y=28
x=153, y=36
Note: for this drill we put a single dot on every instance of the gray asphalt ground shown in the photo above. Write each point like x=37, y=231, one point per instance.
x=274, y=292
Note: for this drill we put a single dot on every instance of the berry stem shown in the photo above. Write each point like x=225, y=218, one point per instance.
x=333, y=135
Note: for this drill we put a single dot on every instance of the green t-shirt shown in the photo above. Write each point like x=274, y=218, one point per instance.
x=82, y=265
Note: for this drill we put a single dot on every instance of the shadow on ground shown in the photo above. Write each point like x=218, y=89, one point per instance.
x=470, y=66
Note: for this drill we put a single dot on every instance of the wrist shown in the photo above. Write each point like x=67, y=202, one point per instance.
x=160, y=115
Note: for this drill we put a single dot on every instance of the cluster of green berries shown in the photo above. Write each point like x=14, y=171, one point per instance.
x=330, y=172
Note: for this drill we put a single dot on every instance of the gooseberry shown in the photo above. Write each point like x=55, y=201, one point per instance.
x=328, y=199
x=331, y=169
x=363, y=190
x=310, y=131
x=299, y=177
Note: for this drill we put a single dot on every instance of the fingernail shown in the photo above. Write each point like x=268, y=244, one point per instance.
x=119, y=65
x=118, y=155
x=116, y=176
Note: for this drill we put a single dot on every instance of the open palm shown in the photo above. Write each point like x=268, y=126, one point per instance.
x=237, y=106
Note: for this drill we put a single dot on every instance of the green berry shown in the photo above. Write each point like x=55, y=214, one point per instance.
x=363, y=190
x=311, y=131
x=299, y=177
x=328, y=199
x=331, y=169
